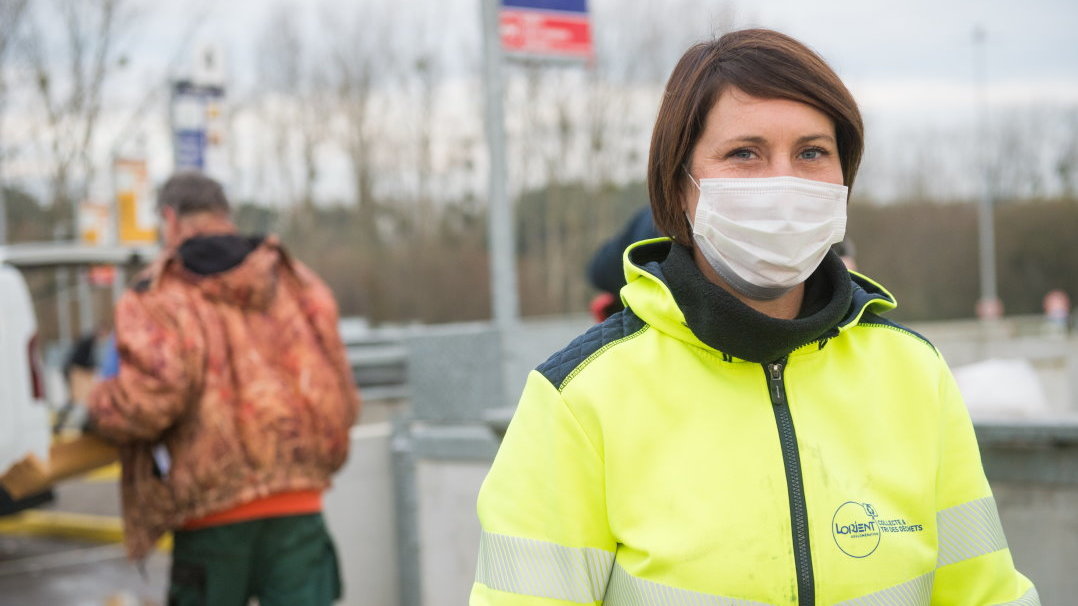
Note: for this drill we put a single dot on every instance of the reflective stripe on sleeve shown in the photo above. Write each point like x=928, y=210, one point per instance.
x=627, y=590
x=542, y=569
x=1030, y=598
x=914, y=592
x=969, y=530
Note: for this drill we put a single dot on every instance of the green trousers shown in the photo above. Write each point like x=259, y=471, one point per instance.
x=281, y=561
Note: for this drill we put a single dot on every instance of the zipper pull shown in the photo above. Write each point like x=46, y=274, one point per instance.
x=778, y=393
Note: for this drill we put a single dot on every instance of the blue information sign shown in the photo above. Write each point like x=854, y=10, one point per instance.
x=194, y=108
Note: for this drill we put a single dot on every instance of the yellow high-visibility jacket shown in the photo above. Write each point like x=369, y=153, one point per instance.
x=651, y=462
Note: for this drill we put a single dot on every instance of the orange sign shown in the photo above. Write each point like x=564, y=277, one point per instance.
x=135, y=212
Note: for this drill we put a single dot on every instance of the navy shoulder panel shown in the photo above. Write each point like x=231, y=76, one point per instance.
x=559, y=366
x=871, y=319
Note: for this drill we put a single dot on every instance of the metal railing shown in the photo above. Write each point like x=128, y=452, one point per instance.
x=378, y=358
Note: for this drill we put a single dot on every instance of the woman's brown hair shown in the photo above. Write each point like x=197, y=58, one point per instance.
x=762, y=63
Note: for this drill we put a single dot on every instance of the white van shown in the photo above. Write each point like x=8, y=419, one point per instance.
x=24, y=413
x=24, y=416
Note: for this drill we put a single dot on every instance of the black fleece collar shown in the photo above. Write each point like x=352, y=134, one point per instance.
x=208, y=255
x=723, y=322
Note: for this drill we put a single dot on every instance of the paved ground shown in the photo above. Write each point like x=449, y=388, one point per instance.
x=47, y=571
x=51, y=572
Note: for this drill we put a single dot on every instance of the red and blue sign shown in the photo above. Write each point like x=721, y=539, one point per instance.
x=546, y=28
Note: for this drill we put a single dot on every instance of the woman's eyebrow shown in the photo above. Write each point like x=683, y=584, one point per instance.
x=754, y=139
x=758, y=140
x=808, y=138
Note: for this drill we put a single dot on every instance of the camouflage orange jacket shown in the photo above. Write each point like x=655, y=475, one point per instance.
x=231, y=361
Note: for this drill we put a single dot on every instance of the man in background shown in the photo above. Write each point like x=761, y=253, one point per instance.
x=231, y=408
x=80, y=371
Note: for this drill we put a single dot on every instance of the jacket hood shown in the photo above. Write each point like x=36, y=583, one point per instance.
x=233, y=269
x=667, y=290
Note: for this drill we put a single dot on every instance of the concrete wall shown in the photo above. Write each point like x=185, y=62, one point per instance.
x=448, y=528
x=1041, y=524
x=1033, y=470
x=361, y=514
x=450, y=444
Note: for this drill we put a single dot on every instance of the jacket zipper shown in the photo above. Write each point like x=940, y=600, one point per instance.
x=776, y=387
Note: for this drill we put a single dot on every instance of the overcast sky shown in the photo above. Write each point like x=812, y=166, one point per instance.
x=910, y=64
x=1031, y=47
x=890, y=52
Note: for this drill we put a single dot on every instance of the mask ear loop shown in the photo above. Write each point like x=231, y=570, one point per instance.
x=688, y=174
x=697, y=184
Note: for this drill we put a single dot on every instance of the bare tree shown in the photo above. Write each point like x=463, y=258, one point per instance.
x=359, y=62
x=293, y=103
x=1066, y=160
x=1014, y=163
x=281, y=74
x=637, y=44
x=70, y=77
x=427, y=67
x=12, y=13
x=11, y=17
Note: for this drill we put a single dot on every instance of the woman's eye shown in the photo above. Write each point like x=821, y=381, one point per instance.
x=741, y=154
x=813, y=153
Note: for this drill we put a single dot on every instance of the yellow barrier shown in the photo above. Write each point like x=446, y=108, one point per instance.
x=66, y=525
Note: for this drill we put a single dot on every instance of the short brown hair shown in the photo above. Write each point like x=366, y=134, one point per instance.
x=191, y=192
x=762, y=63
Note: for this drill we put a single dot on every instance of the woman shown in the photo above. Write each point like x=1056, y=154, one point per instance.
x=749, y=430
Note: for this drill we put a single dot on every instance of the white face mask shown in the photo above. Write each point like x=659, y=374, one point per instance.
x=765, y=236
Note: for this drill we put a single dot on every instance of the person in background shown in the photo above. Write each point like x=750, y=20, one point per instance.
x=80, y=370
x=231, y=406
x=83, y=354
x=605, y=271
x=1057, y=311
x=846, y=253
x=750, y=429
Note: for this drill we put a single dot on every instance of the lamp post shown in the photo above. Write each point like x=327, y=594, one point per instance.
x=500, y=225
x=989, y=306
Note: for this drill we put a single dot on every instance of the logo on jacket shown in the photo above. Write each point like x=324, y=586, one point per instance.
x=857, y=528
